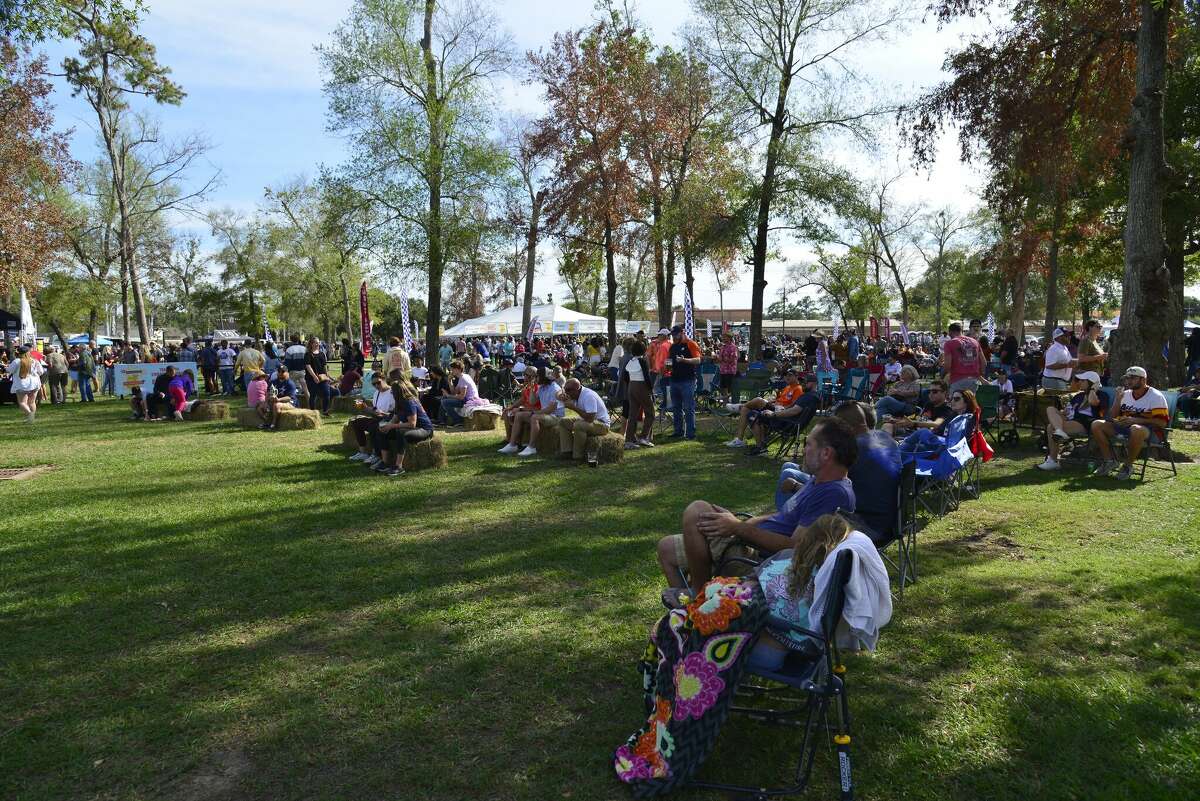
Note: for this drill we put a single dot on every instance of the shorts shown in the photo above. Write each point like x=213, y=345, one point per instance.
x=727, y=380
x=720, y=548
x=1123, y=431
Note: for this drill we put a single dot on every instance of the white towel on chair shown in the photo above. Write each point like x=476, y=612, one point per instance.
x=868, y=605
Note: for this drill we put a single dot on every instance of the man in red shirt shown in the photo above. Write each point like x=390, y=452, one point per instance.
x=962, y=361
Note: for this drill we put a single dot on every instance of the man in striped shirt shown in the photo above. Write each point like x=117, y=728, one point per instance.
x=1139, y=413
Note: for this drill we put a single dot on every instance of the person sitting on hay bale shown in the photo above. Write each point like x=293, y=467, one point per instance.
x=463, y=394
x=256, y=397
x=366, y=424
x=519, y=415
x=182, y=387
x=408, y=425
x=711, y=532
x=158, y=394
x=593, y=420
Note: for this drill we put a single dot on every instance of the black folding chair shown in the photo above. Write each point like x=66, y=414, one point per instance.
x=800, y=694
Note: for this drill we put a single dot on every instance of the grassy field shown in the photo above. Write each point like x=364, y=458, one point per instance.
x=192, y=611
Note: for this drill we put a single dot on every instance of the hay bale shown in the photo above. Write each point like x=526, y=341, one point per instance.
x=427, y=455
x=248, y=418
x=348, y=440
x=345, y=403
x=298, y=419
x=208, y=410
x=481, y=421
x=612, y=445
x=547, y=441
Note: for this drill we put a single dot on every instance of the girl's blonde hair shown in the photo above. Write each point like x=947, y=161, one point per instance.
x=817, y=541
x=403, y=388
x=26, y=364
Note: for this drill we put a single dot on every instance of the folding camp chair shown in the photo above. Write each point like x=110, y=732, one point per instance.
x=800, y=694
x=999, y=432
x=1159, y=450
x=1079, y=449
x=855, y=388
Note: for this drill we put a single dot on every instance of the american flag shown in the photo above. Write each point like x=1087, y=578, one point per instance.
x=408, y=340
x=689, y=323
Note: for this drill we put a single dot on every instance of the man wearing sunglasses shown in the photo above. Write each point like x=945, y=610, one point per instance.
x=1139, y=413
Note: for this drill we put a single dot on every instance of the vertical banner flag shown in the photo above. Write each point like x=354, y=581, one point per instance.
x=689, y=322
x=874, y=328
x=365, y=319
x=266, y=328
x=887, y=328
x=837, y=329
x=404, y=318
x=533, y=326
x=28, y=329
x=991, y=326
x=709, y=323
x=823, y=363
x=416, y=331
x=904, y=333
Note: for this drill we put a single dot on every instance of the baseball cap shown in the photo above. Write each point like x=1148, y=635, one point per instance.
x=678, y=329
x=1140, y=372
x=1089, y=375
x=662, y=332
x=1058, y=332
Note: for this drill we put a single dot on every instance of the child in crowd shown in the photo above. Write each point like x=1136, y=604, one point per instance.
x=1007, y=399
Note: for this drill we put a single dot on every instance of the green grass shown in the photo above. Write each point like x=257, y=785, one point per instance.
x=198, y=612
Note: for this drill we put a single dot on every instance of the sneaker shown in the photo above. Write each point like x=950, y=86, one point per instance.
x=509, y=448
x=645, y=443
x=372, y=460
x=395, y=471
x=263, y=427
x=1125, y=473
x=632, y=446
x=734, y=407
x=1050, y=464
x=529, y=450
x=358, y=456
x=736, y=442
x=1106, y=467
x=1061, y=435
x=382, y=467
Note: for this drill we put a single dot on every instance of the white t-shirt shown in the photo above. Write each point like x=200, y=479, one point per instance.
x=548, y=397
x=1006, y=386
x=420, y=373
x=227, y=356
x=617, y=354
x=634, y=368
x=1055, y=354
x=1151, y=404
x=592, y=403
x=385, y=401
x=892, y=371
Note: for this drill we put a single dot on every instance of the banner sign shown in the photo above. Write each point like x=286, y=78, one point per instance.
x=563, y=327
x=404, y=326
x=129, y=376
x=887, y=327
x=874, y=328
x=365, y=318
x=591, y=326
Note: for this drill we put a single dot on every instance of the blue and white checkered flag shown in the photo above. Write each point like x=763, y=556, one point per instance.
x=991, y=326
x=904, y=333
x=689, y=322
x=408, y=340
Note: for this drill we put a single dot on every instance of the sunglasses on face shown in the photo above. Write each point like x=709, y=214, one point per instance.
x=956, y=397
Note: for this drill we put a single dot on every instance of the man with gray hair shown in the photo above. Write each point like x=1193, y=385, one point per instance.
x=593, y=420
x=58, y=375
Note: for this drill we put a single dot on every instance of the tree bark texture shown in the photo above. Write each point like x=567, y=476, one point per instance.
x=1051, y=321
x=434, y=116
x=611, y=281
x=531, y=240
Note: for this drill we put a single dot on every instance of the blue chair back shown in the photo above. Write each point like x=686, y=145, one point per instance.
x=368, y=389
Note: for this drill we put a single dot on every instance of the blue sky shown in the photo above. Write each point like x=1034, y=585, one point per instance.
x=254, y=88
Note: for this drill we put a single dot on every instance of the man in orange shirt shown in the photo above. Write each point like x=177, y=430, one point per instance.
x=791, y=401
x=657, y=353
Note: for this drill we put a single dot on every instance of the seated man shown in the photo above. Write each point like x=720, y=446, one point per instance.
x=346, y=385
x=791, y=401
x=709, y=531
x=159, y=394
x=875, y=474
x=1139, y=413
x=936, y=412
x=283, y=394
x=518, y=415
x=593, y=420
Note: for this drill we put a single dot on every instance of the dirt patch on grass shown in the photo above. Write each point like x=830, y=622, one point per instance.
x=988, y=542
x=214, y=778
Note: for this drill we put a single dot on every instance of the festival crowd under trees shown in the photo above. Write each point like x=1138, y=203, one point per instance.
x=649, y=166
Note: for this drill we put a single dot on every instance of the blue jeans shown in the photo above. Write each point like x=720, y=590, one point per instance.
x=683, y=403
x=319, y=390
x=660, y=390
x=451, y=408
x=85, y=389
x=764, y=657
x=226, y=380
x=789, y=470
x=892, y=406
x=110, y=381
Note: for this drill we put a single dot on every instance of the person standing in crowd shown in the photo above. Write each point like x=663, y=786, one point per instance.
x=108, y=363
x=445, y=354
x=727, y=360
x=209, y=364
x=226, y=356
x=683, y=357
x=641, y=399
x=129, y=354
x=397, y=358
x=85, y=369
x=1090, y=355
x=249, y=361
x=962, y=361
x=187, y=353
x=316, y=377
x=56, y=372
x=407, y=426
x=1193, y=351
x=26, y=373
x=1059, y=364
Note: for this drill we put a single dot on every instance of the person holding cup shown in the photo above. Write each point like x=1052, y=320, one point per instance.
x=683, y=358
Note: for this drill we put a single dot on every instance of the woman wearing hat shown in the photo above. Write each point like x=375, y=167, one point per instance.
x=1084, y=408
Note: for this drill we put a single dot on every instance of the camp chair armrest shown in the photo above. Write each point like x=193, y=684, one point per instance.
x=781, y=624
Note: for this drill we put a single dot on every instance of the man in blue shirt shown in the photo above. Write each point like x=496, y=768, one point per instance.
x=709, y=530
x=875, y=474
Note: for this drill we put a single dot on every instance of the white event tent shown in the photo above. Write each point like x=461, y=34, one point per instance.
x=548, y=319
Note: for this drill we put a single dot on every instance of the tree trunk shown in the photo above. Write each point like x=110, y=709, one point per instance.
x=346, y=303
x=436, y=258
x=1017, y=323
x=670, y=305
x=763, y=219
x=92, y=319
x=531, y=240
x=1051, y=321
x=611, y=280
x=124, y=303
x=1146, y=289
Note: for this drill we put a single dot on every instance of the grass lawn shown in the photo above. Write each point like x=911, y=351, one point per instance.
x=192, y=611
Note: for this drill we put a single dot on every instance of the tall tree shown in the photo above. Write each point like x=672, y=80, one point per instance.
x=405, y=80
x=762, y=48
x=115, y=62
x=934, y=237
x=526, y=203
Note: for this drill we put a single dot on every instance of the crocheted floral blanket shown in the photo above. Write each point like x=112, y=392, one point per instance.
x=691, y=668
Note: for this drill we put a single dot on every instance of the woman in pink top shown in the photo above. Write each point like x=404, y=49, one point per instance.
x=727, y=360
x=256, y=397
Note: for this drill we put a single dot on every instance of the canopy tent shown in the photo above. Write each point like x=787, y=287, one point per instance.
x=1188, y=325
x=547, y=319
x=83, y=339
